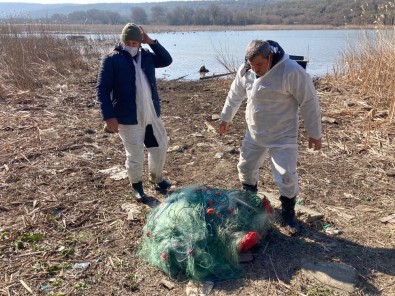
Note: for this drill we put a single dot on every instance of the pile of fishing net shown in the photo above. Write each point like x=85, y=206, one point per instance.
x=199, y=231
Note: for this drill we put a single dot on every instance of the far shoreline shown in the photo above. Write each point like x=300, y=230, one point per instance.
x=115, y=29
x=162, y=29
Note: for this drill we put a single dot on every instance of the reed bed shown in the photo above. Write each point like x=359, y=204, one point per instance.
x=366, y=69
x=32, y=57
x=115, y=29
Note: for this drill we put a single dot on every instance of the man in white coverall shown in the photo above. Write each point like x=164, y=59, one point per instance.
x=275, y=87
x=126, y=89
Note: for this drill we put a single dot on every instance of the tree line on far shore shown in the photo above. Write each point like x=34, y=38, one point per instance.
x=242, y=12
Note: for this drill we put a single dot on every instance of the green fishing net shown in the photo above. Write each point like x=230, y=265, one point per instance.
x=198, y=232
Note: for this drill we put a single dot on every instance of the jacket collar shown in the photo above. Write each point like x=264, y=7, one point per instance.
x=119, y=48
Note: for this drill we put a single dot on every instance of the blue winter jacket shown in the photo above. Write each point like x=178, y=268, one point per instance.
x=116, y=84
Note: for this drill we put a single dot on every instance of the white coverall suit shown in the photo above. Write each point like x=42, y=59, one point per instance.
x=133, y=135
x=272, y=121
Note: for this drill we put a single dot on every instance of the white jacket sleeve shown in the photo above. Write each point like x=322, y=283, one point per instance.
x=236, y=95
x=302, y=88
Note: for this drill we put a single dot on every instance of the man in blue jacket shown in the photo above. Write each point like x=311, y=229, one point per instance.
x=126, y=89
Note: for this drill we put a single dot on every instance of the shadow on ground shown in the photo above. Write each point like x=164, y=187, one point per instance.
x=280, y=257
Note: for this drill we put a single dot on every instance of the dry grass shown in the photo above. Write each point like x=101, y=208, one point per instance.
x=30, y=54
x=367, y=70
x=115, y=29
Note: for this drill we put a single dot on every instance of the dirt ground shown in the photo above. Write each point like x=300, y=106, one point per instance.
x=63, y=231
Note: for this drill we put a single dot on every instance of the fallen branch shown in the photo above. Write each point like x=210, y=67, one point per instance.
x=179, y=78
x=26, y=286
x=96, y=224
x=217, y=75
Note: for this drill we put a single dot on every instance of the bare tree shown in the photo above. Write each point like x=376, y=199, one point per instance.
x=139, y=16
x=181, y=16
x=158, y=15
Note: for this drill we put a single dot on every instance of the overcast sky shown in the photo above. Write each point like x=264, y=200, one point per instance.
x=86, y=1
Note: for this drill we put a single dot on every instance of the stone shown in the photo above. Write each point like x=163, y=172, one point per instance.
x=329, y=120
x=175, y=149
x=167, y=284
x=337, y=275
x=215, y=117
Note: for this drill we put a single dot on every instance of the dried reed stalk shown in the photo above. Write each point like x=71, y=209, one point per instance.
x=367, y=68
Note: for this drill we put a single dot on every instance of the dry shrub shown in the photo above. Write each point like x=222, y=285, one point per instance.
x=225, y=59
x=367, y=69
x=31, y=57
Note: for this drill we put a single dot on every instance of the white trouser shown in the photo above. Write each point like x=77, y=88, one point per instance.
x=283, y=162
x=133, y=140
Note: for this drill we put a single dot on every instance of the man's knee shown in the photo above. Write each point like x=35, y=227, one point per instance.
x=288, y=184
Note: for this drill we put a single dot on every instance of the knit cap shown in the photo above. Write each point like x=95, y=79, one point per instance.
x=131, y=32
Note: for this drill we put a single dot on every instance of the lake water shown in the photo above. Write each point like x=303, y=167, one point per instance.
x=191, y=50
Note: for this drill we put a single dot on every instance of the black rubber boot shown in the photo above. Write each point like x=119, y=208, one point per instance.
x=163, y=185
x=250, y=188
x=138, y=192
x=288, y=214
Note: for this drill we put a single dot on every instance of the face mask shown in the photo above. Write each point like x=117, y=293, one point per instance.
x=132, y=50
